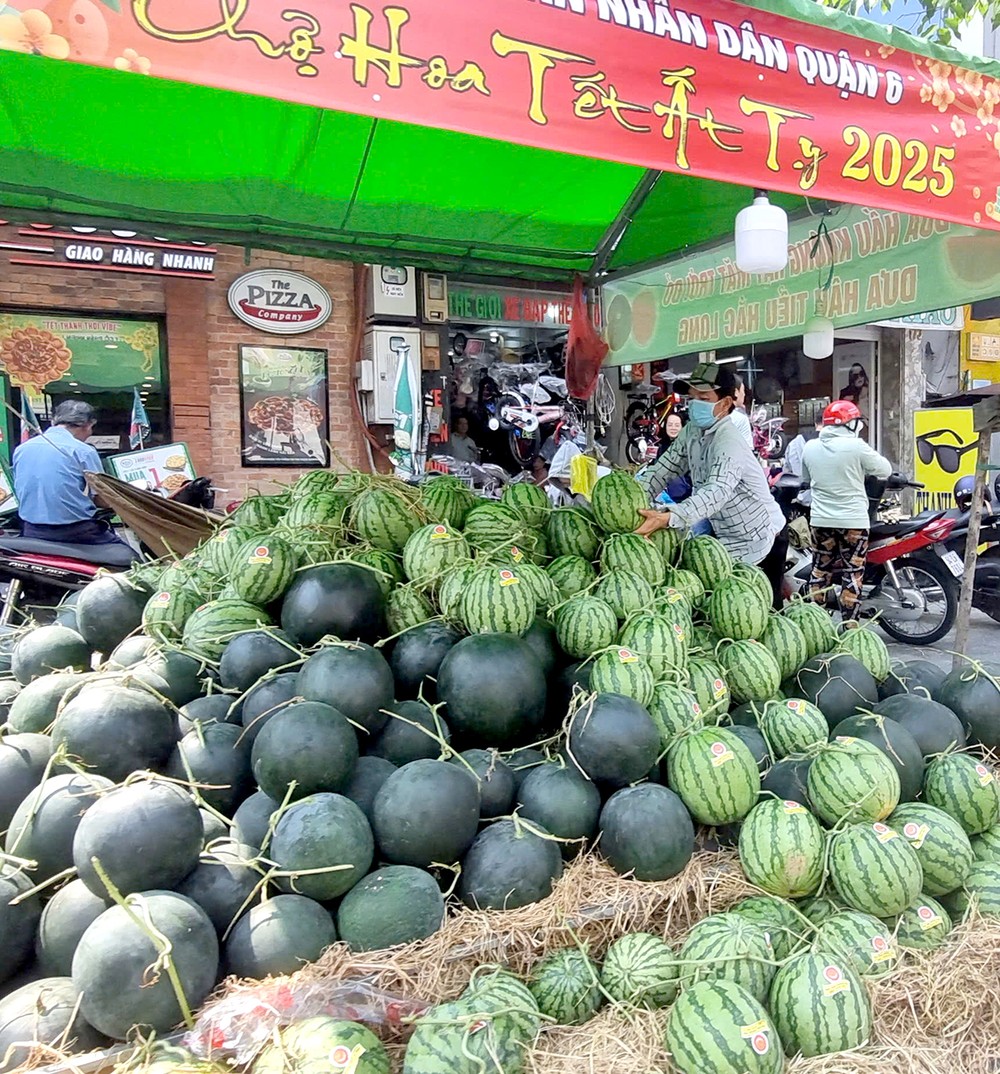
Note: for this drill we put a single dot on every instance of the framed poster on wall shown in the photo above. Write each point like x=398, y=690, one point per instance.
x=283, y=406
x=855, y=378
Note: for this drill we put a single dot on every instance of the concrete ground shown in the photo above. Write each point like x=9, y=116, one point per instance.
x=984, y=644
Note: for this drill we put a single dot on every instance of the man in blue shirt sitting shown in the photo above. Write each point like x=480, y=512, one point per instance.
x=52, y=496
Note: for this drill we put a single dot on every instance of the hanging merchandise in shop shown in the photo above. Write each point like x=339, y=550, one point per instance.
x=284, y=303
x=885, y=266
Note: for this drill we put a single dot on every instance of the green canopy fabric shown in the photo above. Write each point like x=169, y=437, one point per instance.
x=79, y=141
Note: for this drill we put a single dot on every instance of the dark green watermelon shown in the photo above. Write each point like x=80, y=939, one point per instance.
x=369, y=775
x=786, y=780
x=279, y=936
x=972, y=694
x=9, y=689
x=213, y=708
x=912, y=677
x=541, y=639
x=145, y=835
x=647, y=832
x=18, y=920
x=497, y=784
x=22, y=764
x=272, y=694
x=250, y=656
x=225, y=883
x=46, y=649
x=354, y=679
x=130, y=651
x=112, y=961
x=426, y=813
x=339, y=599
x=35, y=707
x=896, y=743
x=413, y=732
x=45, y=1013
x=494, y=690
x=214, y=827
x=746, y=715
x=755, y=743
x=395, y=905
x=614, y=740
x=416, y=659
x=64, y=920
x=175, y=675
x=108, y=609
x=564, y=802
x=309, y=745
x=934, y=726
x=510, y=864
x=523, y=761
x=216, y=756
x=252, y=819
x=838, y=685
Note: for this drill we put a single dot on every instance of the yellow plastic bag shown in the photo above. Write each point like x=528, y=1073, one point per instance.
x=582, y=475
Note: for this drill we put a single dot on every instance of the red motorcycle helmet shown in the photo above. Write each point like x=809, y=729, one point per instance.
x=841, y=412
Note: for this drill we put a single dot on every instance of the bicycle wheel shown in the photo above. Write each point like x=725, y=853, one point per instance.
x=524, y=447
x=635, y=450
x=636, y=413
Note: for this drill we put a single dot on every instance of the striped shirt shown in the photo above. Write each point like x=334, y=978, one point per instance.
x=730, y=488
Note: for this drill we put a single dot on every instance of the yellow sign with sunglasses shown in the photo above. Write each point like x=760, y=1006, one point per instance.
x=945, y=450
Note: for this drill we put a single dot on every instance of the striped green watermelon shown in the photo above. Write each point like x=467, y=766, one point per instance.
x=572, y=531
x=715, y=774
x=818, y=909
x=964, y=787
x=792, y=726
x=815, y=624
x=707, y=558
x=489, y=527
x=708, y=684
x=166, y=613
x=737, y=611
x=566, y=987
x=529, y=501
x=728, y=947
x=263, y=569
x=704, y=640
x=861, y=940
x=675, y=711
x=335, y=1046
x=668, y=543
x=868, y=648
x=628, y=551
x=673, y=604
x=785, y=927
x=616, y=502
x=541, y=585
x=716, y=1027
x=747, y=572
x=431, y=550
x=351, y=483
x=212, y=626
x=945, y=852
x=571, y=575
x=688, y=584
x=384, y=516
x=922, y=926
x=317, y=549
x=785, y=641
x=660, y=642
x=447, y=499
x=640, y=970
x=750, y=670
x=322, y=511
x=874, y=869
x=385, y=566
x=258, y=513
x=981, y=886
x=496, y=601
x=621, y=671
x=986, y=845
x=782, y=849
x=313, y=482
x=625, y=592
x=585, y=625
x=452, y=588
x=216, y=555
x=406, y=607
x=852, y=780
x=819, y=1005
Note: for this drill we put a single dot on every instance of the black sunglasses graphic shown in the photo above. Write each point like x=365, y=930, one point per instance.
x=949, y=456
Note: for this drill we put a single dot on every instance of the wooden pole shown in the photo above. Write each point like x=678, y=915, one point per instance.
x=971, y=550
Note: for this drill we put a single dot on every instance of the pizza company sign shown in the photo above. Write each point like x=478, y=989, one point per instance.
x=285, y=303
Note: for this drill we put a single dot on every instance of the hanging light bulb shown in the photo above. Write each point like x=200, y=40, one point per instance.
x=761, y=236
x=817, y=337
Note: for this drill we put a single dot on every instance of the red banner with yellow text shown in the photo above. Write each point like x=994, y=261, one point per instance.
x=711, y=88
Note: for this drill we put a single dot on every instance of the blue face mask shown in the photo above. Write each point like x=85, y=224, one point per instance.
x=702, y=413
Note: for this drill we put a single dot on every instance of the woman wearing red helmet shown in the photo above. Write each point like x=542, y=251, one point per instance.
x=836, y=465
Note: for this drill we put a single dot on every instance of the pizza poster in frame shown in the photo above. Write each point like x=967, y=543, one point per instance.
x=284, y=411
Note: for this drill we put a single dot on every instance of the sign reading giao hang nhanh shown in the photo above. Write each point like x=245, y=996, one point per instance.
x=885, y=266
x=711, y=88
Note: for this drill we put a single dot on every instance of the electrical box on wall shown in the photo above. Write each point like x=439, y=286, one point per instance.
x=435, y=295
x=392, y=292
x=383, y=349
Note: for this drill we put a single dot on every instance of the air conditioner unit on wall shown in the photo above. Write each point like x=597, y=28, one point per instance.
x=392, y=293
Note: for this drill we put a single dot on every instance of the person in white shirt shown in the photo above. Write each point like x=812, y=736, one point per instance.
x=739, y=411
x=793, y=453
x=461, y=446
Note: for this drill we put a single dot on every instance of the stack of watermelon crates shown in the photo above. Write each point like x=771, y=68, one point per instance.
x=300, y=731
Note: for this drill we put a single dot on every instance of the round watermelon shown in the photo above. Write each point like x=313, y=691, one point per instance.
x=629, y=551
x=816, y=626
x=384, y=517
x=571, y=531
x=446, y=499
x=585, y=625
x=707, y=558
x=786, y=642
x=874, y=869
x=675, y=711
x=511, y=863
x=354, y=679
x=869, y=649
x=853, y=781
x=640, y=970
x=974, y=696
x=782, y=849
x=614, y=740
x=616, y=501
x=571, y=575
x=621, y=671
x=751, y=671
x=792, y=726
x=497, y=601
x=838, y=685
x=861, y=940
x=715, y=775
x=935, y=728
x=647, y=832
x=922, y=926
x=945, y=852
x=737, y=610
x=895, y=742
x=566, y=987
x=430, y=550
x=966, y=788
x=340, y=599
x=563, y=802
x=728, y=947
x=660, y=642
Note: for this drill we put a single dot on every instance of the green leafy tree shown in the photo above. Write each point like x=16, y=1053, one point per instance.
x=935, y=19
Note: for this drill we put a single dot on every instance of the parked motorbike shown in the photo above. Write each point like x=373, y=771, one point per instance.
x=986, y=586
x=912, y=576
x=770, y=441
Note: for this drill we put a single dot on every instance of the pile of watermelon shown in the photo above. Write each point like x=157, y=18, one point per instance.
x=359, y=702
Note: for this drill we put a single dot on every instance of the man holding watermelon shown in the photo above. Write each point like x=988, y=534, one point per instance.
x=730, y=489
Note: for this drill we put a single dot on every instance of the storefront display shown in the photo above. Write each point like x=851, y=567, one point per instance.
x=163, y=469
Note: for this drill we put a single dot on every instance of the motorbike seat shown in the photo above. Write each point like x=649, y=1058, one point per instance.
x=904, y=527
x=105, y=555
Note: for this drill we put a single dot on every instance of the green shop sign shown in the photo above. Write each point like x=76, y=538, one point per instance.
x=870, y=265
x=474, y=303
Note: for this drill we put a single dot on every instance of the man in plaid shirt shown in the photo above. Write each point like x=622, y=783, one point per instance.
x=729, y=485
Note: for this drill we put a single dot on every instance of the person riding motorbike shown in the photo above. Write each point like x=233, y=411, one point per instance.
x=729, y=486
x=836, y=465
x=53, y=501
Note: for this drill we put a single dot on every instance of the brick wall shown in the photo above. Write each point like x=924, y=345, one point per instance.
x=203, y=339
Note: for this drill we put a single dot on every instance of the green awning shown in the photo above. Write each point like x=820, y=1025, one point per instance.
x=79, y=141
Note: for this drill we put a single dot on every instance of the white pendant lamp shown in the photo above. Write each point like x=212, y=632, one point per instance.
x=761, y=236
x=817, y=337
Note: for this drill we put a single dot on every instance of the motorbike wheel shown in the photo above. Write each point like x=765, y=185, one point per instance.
x=524, y=447
x=635, y=450
x=937, y=585
x=777, y=444
x=636, y=413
